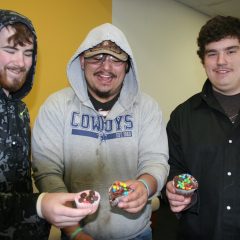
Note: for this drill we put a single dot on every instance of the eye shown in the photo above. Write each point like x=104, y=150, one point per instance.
x=10, y=50
x=230, y=51
x=115, y=60
x=98, y=57
x=211, y=54
x=28, y=53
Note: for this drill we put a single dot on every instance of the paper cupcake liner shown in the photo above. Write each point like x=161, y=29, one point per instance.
x=185, y=192
x=193, y=184
x=93, y=206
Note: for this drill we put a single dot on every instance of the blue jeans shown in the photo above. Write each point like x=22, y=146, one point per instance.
x=146, y=235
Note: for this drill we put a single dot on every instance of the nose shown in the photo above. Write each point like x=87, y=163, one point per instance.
x=106, y=64
x=19, y=59
x=221, y=58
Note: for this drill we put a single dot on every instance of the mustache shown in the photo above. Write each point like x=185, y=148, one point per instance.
x=110, y=74
x=20, y=69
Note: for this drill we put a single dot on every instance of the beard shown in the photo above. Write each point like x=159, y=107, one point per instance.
x=105, y=94
x=102, y=94
x=12, y=84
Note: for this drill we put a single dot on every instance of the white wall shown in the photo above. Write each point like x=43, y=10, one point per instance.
x=162, y=34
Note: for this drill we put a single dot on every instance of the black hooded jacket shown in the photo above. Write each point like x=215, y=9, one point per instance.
x=18, y=217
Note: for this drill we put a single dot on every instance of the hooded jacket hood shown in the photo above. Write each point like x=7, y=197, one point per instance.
x=8, y=17
x=97, y=35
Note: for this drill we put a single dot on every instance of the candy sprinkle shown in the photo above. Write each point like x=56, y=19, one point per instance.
x=185, y=182
x=120, y=188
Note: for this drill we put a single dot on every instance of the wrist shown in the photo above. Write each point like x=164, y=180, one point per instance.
x=39, y=205
x=144, y=182
x=74, y=234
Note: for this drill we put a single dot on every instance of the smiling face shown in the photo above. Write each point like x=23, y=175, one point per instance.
x=15, y=61
x=222, y=65
x=104, y=76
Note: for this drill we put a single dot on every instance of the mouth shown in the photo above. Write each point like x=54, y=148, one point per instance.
x=16, y=71
x=105, y=77
x=222, y=70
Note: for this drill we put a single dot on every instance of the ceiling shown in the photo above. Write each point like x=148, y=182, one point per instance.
x=214, y=7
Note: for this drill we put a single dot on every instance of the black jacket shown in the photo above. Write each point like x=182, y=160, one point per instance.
x=204, y=143
x=18, y=217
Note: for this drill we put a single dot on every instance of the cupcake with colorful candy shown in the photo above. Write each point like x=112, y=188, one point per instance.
x=88, y=199
x=117, y=191
x=185, y=184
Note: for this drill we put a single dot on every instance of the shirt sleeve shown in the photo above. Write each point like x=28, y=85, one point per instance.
x=18, y=215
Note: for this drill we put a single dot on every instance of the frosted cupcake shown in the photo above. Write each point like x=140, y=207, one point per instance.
x=117, y=191
x=185, y=184
x=87, y=199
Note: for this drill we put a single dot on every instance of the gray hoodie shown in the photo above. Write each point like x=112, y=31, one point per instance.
x=75, y=148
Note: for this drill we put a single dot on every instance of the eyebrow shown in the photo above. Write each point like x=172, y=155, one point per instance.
x=225, y=49
x=8, y=46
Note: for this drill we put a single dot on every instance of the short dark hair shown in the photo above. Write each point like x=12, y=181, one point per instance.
x=22, y=36
x=216, y=29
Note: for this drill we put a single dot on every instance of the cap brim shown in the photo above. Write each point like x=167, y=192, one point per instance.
x=121, y=56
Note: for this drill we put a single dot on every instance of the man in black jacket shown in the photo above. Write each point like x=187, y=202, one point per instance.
x=204, y=139
x=21, y=210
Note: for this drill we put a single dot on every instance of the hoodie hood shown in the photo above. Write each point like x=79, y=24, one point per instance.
x=8, y=17
x=76, y=76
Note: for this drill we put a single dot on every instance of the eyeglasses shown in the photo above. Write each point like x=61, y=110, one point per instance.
x=101, y=58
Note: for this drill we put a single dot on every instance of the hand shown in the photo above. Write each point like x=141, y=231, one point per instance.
x=137, y=199
x=177, y=202
x=55, y=211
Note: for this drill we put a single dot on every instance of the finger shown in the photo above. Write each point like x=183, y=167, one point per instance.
x=133, y=210
x=177, y=209
x=137, y=203
x=75, y=212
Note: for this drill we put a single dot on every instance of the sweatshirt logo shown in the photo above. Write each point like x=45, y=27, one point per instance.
x=98, y=127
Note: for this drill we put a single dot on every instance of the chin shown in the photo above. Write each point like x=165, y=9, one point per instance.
x=103, y=94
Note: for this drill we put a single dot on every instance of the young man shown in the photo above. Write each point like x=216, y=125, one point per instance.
x=100, y=130
x=204, y=139
x=19, y=206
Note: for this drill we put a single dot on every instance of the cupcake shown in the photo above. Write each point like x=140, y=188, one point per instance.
x=185, y=184
x=87, y=199
x=117, y=191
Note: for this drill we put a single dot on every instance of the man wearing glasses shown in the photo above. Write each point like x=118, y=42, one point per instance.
x=103, y=129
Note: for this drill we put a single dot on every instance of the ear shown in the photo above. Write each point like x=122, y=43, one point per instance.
x=81, y=61
x=127, y=67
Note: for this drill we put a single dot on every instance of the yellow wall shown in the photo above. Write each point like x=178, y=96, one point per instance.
x=61, y=25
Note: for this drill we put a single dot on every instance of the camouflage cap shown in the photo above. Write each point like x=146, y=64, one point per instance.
x=107, y=47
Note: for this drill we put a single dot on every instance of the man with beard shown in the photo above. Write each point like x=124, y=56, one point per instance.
x=102, y=129
x=21, y=210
